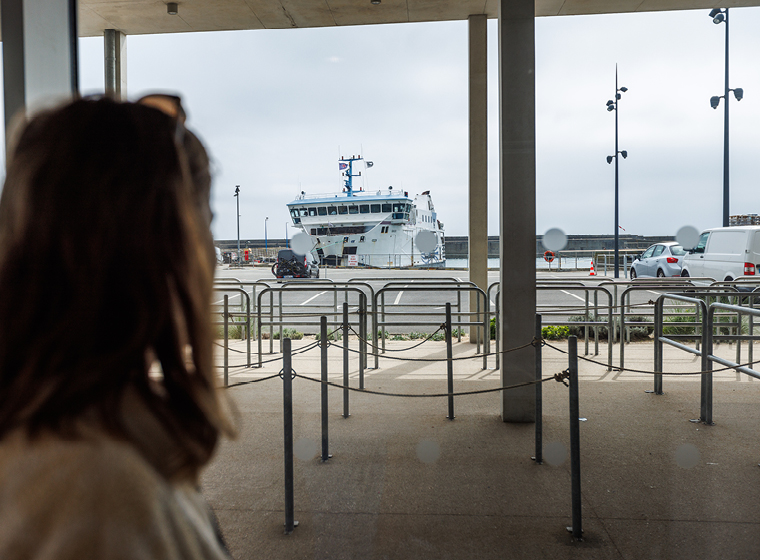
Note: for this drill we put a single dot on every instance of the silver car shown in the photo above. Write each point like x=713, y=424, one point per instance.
x=661, y=260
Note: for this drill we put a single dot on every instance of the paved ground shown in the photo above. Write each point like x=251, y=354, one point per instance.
x=406, y=482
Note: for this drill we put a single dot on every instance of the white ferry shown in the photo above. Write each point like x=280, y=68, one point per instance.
x=363, y=228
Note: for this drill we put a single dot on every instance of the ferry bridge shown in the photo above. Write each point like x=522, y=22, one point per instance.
x=40, y=62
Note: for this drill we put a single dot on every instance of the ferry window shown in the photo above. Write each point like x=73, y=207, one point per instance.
x=314, y=231
x=408, y=207
x=386, y=207
x=296, y=220
x=384, y=229
x=322, y=211
x=398, y=207
x=345, y=239
x=361, y=239
x=294, y=212
x=332, y=210
x=364, y=208
x=375, y=208
x=342, y=210
x=312, y=211
x=353, y=209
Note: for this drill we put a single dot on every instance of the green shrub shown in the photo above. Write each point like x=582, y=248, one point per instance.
x=292, y=334
x=336, y=335
x=555, y=332
x=679, y=319
x=639, y=332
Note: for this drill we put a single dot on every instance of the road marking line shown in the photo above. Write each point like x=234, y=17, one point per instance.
x=398, y=297
x=312, y=297
x=575, y=296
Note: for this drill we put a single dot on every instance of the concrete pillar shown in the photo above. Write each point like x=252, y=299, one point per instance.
x=40, y=60
x=115, y=46
x=478, y=97
x=517, y=203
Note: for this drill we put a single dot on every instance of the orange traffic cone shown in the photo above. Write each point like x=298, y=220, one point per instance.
x=591, y=272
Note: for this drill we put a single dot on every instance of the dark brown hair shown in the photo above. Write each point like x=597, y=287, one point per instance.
x=106, y=263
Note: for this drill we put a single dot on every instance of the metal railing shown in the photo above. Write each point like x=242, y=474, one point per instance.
x=707, y=338
x=282, y=317
x=423, y=317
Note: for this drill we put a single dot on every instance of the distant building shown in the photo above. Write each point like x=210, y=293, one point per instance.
x=744, y=220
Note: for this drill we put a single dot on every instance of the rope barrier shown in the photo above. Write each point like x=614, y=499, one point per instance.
x=559, y=377
x=631, y=370
x=437, y=359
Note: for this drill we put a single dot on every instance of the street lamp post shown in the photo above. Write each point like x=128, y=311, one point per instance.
x=266, y=243
x=718, y=16
x=613, y=106
x=237, y=199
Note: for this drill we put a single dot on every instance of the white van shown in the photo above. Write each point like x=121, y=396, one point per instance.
x=724, y=253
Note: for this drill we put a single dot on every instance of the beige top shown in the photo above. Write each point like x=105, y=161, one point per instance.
x=96, y=499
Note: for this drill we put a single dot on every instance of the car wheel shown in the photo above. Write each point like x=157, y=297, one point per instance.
x=660, y=274
x=633, y=274
x=729, y=279
x=684, y=274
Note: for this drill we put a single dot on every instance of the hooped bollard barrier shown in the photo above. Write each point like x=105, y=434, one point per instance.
x=228, y=316
x=648, y=285
x=659, y=339
x=362, y=315
x=575, y=440
x=449, y=363
x=427, y=282
x=287, y=409
x=441, y=288
x=335, y=287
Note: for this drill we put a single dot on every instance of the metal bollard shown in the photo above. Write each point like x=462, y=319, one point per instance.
x=575, y=441
x=539, y=458
x=287, y=413
x=449, y=363
x=323, y=346
x=226, y=340
x=345, y=361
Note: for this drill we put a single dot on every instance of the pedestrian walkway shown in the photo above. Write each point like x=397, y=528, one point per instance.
x=406, y=482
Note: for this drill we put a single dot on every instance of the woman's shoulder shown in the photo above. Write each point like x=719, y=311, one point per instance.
x=95, y=497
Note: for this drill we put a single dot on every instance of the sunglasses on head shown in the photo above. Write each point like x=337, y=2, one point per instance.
x=170, y=105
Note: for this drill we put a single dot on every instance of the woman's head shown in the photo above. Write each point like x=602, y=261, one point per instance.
x=106, y=263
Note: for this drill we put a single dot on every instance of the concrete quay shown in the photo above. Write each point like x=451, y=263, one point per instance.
x=406, y=482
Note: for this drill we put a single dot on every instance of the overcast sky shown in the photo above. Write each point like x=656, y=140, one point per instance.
x=277, y=107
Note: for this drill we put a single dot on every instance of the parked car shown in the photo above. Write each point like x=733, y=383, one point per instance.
x=724, y=253
x=661, y=260
x=293, y=265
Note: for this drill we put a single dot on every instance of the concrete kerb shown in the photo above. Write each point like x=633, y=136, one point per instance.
x=378, y=498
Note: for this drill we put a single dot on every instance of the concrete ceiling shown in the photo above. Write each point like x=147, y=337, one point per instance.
x=137, y=17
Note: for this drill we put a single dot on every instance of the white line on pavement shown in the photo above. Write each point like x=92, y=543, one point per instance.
x=312, y=297
x=575, y=296
x=398, y=297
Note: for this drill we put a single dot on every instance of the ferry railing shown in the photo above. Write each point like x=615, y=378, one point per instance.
x=282, y=317
x=422, y=315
